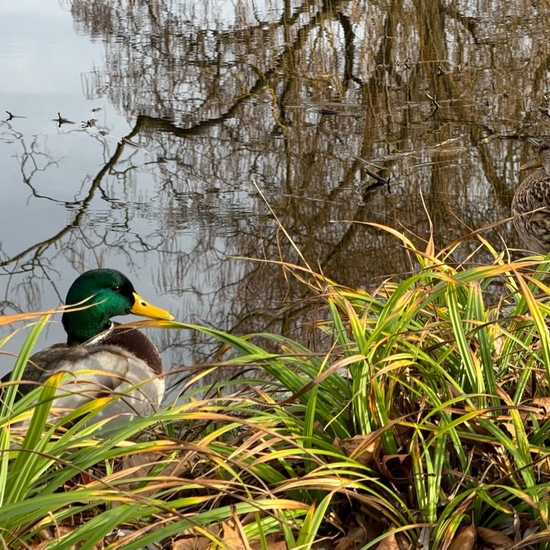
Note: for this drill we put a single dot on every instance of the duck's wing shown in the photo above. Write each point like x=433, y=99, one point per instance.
x=94, y=372
x=132, y=340
x=537, y=221
x=531, y=211
x=537, y=234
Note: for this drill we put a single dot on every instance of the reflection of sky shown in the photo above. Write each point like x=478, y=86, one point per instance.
x=40, y=54
x=42, y=61
x=226, y=14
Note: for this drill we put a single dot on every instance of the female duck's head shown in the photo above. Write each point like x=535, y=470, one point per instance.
x=542, y=158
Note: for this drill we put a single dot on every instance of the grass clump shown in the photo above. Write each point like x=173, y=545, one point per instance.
x=421, y=419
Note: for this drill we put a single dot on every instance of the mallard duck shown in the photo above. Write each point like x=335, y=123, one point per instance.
x=531, y=203
x=116, y=359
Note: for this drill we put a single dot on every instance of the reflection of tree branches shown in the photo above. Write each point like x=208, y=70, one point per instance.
x=38, y=249
x=29, y=158
x=285, y=58
x=223, y=106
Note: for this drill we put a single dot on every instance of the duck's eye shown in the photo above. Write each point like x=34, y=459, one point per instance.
x=116, y=288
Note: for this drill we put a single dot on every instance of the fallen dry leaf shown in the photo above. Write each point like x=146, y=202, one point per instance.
x=465, y=539
x=271, y=545
x=355, y=538
x=192, y=540
x=542, y=463
x=231, y=537
x=362, y=448
x=497, y=539
x=397, y=468
x=543, y=404
x=141, y=465
x=389, y=543
x=47, y=536
x=192, y=543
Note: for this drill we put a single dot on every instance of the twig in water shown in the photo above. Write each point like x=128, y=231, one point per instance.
x=61, y=120
x=380, y=181
x=436, y=108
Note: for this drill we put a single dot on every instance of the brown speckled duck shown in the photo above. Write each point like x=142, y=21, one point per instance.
x=117, y=359
x=531, y=203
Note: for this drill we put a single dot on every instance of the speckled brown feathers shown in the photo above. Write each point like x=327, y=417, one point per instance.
x=531, y=204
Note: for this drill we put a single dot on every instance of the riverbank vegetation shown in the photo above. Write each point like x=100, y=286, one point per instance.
x=416, y=417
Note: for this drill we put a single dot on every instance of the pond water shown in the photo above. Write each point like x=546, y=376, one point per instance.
x=203, y=129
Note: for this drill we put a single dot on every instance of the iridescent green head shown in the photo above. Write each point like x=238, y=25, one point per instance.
x=103, y=293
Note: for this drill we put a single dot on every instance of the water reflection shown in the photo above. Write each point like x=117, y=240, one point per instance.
x=242, y=108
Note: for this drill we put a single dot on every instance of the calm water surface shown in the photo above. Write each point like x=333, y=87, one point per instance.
x=238, y=114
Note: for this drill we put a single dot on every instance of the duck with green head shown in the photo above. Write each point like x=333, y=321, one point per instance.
x=119, y=361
